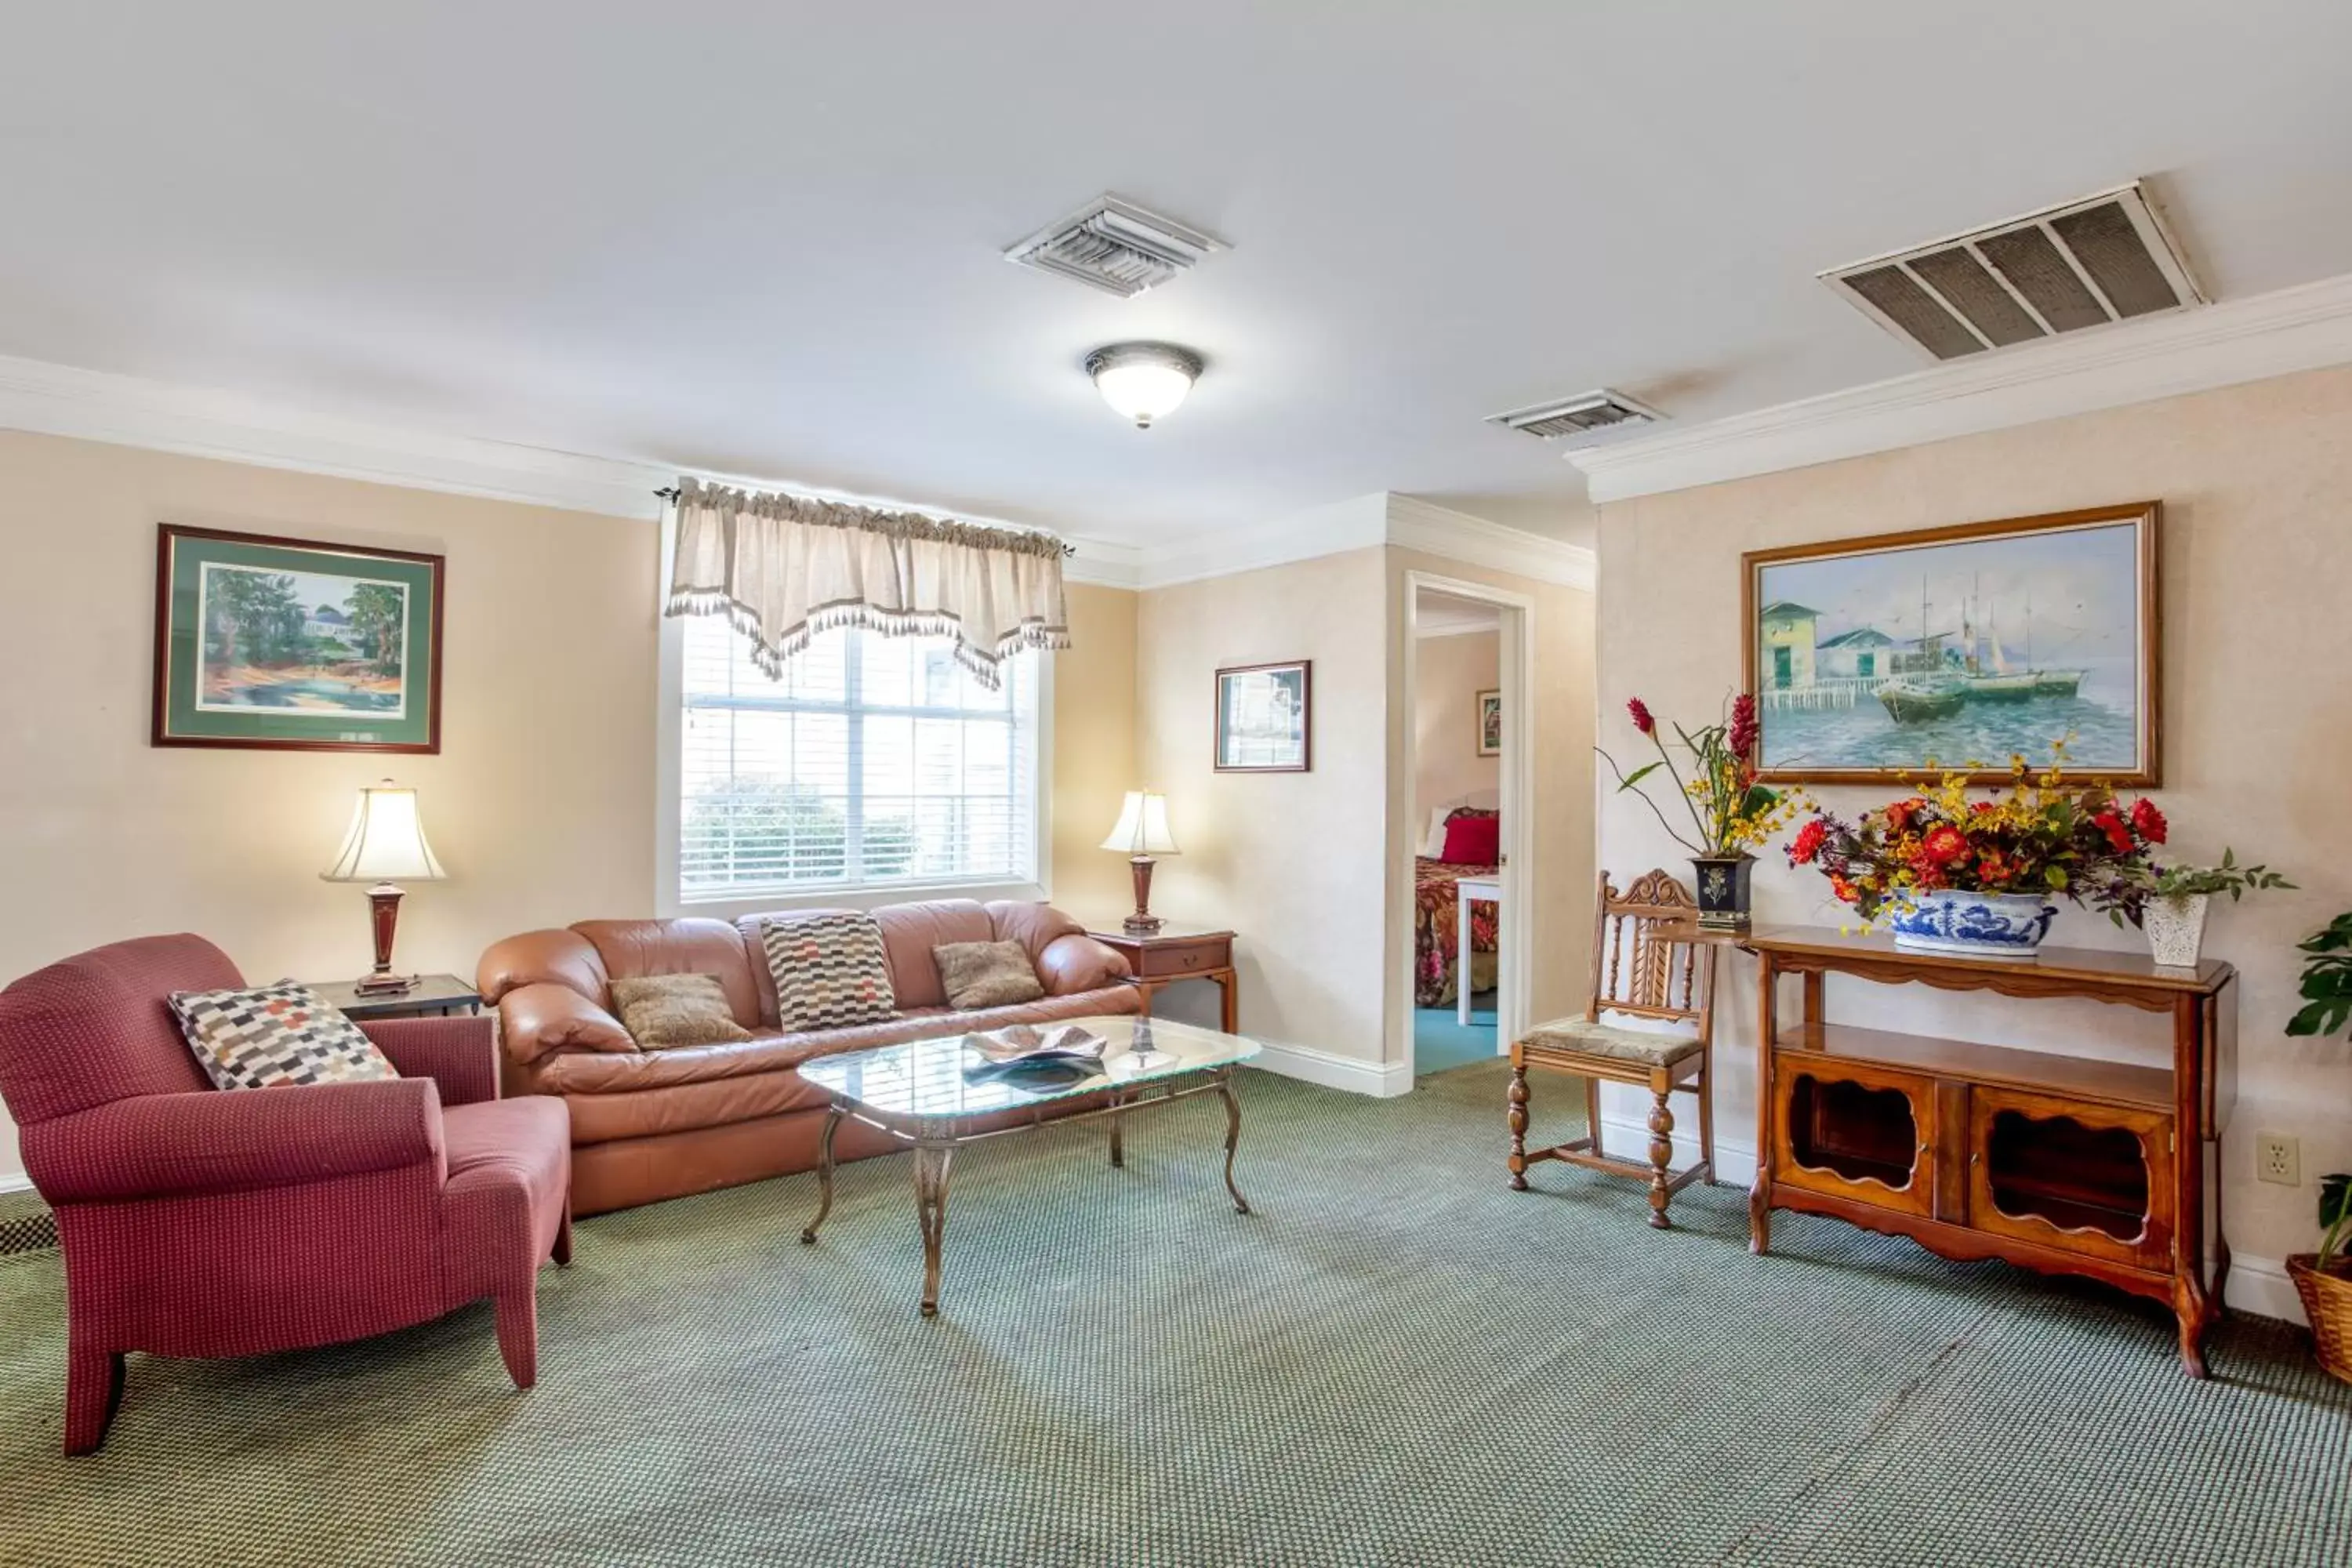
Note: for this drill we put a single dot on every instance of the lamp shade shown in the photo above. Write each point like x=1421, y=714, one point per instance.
x=386, y=842
x=1143, y=826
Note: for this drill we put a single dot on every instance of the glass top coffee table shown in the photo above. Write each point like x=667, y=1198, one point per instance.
x=920, y=1094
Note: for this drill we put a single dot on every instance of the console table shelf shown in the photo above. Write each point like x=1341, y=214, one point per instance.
x=2059, y=1162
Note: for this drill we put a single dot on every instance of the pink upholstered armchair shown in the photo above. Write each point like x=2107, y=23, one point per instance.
x=200, y=1223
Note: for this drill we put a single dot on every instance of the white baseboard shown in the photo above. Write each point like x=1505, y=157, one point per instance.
x=2260, y=1285
x=1382, y=1080
x=15, y=1182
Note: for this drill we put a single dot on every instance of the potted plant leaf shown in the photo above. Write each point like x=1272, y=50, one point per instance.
x=2324, y=1278
x=2177, y=897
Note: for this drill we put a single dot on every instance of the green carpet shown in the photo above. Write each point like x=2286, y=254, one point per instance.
x=1394, y=1361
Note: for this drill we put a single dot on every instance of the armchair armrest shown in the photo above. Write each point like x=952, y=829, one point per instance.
x=458, y=1054
x=1075, y=961
x=218, y=1141
x=544, y=1017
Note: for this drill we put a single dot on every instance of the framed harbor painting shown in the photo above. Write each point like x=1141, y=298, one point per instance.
x=285, y=644
x=1262, y=719
x=1958, y=649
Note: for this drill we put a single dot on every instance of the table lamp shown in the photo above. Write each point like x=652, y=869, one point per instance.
x=386, y=840
x=1142, y=834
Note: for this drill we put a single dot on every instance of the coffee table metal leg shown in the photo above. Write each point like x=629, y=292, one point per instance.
x=1118, y=1142
x=931, y=1163
x=823, y=1173
x=1233, y=1138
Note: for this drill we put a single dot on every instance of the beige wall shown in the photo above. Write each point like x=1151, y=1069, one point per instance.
x=1290, y=861
x=1560, y=827
x=540, y=802
x=1446, y=764
x=2257, y=679
x=1094, y=753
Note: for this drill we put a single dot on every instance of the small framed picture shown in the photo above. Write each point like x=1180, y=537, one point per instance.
x=1263, y=724
x=1490, y=723
x=285, y=644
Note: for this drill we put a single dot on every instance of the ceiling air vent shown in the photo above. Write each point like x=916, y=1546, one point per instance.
x=1581, y=418
x=2104, y=258
x=1116, y=246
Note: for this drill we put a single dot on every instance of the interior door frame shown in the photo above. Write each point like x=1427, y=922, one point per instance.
x=1513, y=948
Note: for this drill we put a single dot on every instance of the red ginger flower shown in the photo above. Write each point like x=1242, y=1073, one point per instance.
x=1640, y=713
x=1808, y=844
x=2148, y=822
x=1744, y=731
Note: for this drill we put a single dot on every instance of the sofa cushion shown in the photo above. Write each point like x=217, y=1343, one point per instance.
x=662, y=1011
x=987, y=973
x=911, y=931
x=275, y=1037
x=689, y=946
x=830, y=970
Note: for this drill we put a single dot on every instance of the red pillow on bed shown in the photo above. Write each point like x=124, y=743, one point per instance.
x=1472, y=840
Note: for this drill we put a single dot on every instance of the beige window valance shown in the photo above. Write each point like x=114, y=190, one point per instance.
x=785, y=568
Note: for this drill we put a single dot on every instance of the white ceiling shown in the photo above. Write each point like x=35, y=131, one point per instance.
x=763, y=238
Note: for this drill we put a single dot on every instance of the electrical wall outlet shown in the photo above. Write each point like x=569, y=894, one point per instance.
x=2278, y=1158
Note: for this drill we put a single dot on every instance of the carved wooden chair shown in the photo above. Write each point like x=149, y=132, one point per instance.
x=1647, y=965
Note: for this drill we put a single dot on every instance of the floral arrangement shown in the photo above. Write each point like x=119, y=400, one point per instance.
x=2042, y=834
x=1731, y=812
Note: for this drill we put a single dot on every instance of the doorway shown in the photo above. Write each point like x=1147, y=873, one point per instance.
x=1462, y=974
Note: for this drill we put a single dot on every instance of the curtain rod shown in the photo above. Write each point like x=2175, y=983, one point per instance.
x=671, y=492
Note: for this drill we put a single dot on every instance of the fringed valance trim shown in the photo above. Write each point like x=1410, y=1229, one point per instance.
x=768, y=656
x=872, y=520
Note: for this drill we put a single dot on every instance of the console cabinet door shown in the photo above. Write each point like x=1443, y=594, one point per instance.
x=1856, y=1132
x=2087, y=1178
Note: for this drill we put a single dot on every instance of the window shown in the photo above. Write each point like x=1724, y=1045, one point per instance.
x=874, y=760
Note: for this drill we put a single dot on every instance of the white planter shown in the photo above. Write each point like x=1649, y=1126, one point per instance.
x=2175, y=929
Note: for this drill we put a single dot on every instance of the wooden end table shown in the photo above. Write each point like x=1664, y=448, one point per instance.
x=1175, y=953
x=433, y=995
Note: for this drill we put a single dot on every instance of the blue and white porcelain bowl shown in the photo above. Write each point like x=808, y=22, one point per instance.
x=1974, y=925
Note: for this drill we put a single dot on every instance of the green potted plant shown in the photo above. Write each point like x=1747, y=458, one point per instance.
x=2324, y=1278
x=2177, y=897
x=1730, y=812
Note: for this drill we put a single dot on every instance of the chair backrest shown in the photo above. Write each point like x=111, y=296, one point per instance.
x=1638, y=965
x=96, y=1027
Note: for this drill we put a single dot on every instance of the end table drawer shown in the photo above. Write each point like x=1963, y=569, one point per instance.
x=1166, y=958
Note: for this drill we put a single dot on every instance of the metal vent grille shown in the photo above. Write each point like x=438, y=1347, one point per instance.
x=1115, y=245
x=1580, y=418
x=2104, y=258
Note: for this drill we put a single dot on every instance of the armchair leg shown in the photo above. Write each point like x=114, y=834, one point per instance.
x=562, y=1252
x=518, y=1318
x=93, y=1391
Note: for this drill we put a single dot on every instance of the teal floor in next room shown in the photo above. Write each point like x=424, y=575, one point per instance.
x=1441, y=1040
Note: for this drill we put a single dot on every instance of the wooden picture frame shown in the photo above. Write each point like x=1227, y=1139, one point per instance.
x=1489, y=711
x=1841, y=699
x=1264, y=717
x=266, y=643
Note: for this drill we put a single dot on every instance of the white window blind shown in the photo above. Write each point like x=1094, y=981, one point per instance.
x=874, y=760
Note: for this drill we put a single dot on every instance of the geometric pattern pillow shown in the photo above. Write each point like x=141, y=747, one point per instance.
x=830, y=972
x=269, y=1037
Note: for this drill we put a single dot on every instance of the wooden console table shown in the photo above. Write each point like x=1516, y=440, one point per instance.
x=2061, y=1163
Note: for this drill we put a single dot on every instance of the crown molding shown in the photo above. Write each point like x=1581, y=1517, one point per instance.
x=2279, y=333
x=1417, y=524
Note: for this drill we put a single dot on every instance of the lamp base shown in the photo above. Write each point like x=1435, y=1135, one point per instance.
x=1142, y=922
x=1142, y=925
x=384, y=984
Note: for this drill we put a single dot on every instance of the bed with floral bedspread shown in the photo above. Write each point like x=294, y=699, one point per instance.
x=1436, y=907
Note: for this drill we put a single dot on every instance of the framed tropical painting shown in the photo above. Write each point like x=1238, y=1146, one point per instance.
x=286, y=643
x=1958, y=649
x=1490, y=723
x=1262, y=722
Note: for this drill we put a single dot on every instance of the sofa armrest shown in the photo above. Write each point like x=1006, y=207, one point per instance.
x=1075, y=963
x=461, y=1054
x=544, y=1018
x=221, y=1141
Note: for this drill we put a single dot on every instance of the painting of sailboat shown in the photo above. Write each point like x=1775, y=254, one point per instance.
x=1960, y=647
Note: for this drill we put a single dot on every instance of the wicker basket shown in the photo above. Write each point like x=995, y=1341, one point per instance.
x=2328, y=1302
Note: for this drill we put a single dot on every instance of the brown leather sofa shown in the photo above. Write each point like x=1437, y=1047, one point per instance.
x=647, y=1125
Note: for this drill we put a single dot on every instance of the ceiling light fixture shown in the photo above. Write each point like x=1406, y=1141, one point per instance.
x=1143, y=382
